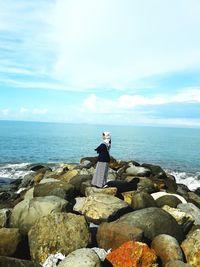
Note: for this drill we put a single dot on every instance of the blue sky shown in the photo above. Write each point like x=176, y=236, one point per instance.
x=125, y=62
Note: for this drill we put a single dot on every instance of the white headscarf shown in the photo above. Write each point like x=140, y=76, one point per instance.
x=107, y=139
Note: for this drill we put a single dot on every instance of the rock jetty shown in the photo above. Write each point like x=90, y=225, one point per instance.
x=143, y=218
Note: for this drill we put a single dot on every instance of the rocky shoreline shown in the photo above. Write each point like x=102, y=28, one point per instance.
x=142, y=218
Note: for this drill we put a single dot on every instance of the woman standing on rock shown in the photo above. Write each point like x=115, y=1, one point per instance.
x=101, y=172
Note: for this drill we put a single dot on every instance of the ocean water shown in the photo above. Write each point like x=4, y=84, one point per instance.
x=177, y=150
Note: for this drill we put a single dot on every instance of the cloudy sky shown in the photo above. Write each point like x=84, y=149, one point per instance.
x=134, y=62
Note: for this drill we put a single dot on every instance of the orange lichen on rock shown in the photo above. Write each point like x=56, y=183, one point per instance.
x=133, y=254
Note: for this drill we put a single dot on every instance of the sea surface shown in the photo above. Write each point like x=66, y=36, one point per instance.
x=176, y=150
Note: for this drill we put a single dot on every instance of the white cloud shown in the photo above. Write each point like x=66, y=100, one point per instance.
x=93, y=44
x=189, y=95
x=5, y=111
x=128, y=102
x=32, y=84
x=40, y=111
x=23, y=110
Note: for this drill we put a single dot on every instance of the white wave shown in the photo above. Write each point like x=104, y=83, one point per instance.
x=14, y=171
x=192, y=180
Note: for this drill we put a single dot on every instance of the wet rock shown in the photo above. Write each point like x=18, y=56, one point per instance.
x=100, y=207
x=112, y=235
x=156, y=170
x=39, y=167
x=153, y=221
x=25, y=213
x=58, y=232
x=167, y=248
x=9, y=240
x=183, y=190
x=83, y=257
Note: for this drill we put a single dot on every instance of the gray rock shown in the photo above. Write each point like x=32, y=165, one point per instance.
x=83, y=257
x=99, y=207
x=194, y=198
x=142, y=200
x=153, y=221
x=191, y=248
x=169, y=200
x=191, y=210
x=60, y=189
x=114, y=234
x=167, y=248
x=146, y=185
x=138, y=171
x=13, y=262
x=25, y=213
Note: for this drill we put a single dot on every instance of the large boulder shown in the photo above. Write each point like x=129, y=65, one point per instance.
x=13, y=262
x=25, y=213
x=167, y=248
x=88, y=162
x=169, y=200
x=191, y=211
x=83, y=257
x=191, y=248
x=141, y=200
x=57, y=232
x=77, y=180
x=157, y=195
x=123, y=186
x=153, y=221
x=60, y=189
x=114, y=234
x=180, y=216
x=107, y=190
x=138, y=171
x=177, y=263
x=156, y=170
x=9, y=240
x=100, y=207
x=146, y=185
x=133, y=254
